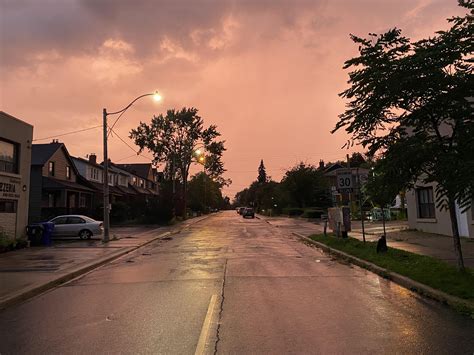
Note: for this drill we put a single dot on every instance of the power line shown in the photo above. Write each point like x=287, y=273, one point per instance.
x=133, y=149
x=65, y=134
x=131, y=156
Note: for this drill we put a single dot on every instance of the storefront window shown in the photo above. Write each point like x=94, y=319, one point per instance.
x=7, y=206
x=8, y=157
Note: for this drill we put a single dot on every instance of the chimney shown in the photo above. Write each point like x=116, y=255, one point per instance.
x=321, y=164
x=93, y=158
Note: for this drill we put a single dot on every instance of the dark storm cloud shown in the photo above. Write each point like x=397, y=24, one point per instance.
x=80, y=26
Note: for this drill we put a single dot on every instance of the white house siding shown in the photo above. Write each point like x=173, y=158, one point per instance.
x=441, y=224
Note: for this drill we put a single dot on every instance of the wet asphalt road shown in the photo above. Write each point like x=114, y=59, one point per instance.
x=235, y=286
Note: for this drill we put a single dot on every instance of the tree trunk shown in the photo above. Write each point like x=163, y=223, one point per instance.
x=455, y=229
x=383, y=221
x=185, y=197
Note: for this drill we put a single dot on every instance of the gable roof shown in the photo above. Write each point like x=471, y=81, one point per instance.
x=140, y=169
x=40, y=153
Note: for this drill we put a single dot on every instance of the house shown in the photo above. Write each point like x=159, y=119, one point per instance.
x=93, y=172
x=56, y=185
x=358, y=176
x=15, y=158
x=424, y=215
x=146, y=178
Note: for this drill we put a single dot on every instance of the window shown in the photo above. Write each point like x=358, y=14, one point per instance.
x=426, y=206
x=51, y=168
x=75, y=220
x=8, y=157
x=7, y=206
x=82, y=201
x=59, y=220
x=51, y=200
x=68, y=172
x=134, y=181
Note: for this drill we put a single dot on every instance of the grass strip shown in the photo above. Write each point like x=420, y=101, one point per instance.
x=425, y=269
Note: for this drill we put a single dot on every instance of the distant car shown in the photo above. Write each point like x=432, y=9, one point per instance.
x=248, y=212
x=241, y=210
x=76, y=226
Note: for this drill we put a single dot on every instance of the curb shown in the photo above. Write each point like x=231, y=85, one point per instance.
x=34, y=291
x=263, y=219
x=455, y=302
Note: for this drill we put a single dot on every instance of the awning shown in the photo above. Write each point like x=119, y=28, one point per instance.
x=113, y=190
x=56, y=184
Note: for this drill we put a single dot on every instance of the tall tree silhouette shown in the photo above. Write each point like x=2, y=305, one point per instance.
x=262, y=174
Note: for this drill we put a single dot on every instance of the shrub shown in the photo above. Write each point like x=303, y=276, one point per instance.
x=313, y=213
x=293, y=211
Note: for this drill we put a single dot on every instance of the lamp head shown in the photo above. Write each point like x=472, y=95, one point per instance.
x=157, y=97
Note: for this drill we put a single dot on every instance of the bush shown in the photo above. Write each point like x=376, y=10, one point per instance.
x=7, y=243
x=313, y=213
x=120, y=212
x=293, y=211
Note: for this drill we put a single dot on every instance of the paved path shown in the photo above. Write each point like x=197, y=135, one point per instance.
x=229, y=285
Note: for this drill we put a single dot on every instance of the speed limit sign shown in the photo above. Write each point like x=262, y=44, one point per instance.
x=344, y=181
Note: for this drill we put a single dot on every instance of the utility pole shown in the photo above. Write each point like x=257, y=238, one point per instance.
x=106, y=221
x=360, y=204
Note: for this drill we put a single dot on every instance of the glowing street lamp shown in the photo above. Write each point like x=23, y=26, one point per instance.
x=156, y=97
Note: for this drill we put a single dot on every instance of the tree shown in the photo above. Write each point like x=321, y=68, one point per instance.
x=204, y=193
x=408, y=102
x=172, y=139
x=357, y=160
x=383, y=184
x=306, y=186
x=262, y=174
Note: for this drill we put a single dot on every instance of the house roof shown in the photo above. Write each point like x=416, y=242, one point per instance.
x=86, y=161
x=139, y=169
x=40, y=153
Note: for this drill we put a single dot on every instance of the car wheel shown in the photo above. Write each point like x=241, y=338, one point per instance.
x=85, y=234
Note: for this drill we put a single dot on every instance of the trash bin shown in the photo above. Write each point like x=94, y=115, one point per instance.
x=35, y=233
x=48, y=228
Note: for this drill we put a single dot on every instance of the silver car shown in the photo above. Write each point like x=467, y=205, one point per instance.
x=76, y=226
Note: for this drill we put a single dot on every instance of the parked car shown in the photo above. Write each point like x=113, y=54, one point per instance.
x=241, y=210
x=76, y=226
x=248, y=212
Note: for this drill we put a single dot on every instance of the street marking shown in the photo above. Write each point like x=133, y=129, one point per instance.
x=201, y=346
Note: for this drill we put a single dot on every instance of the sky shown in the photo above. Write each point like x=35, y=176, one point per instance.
x=266, y=72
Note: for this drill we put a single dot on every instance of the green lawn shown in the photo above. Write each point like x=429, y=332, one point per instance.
x=424, y=269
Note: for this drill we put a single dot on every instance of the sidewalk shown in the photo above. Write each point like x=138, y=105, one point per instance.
x=398, y=236
x=435, y=245
x=27, y=272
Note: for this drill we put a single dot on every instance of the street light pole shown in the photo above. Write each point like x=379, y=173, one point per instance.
x=105, y=180
x=106, y=209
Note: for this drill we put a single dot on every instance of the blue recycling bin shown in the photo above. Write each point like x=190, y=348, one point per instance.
x=48, y=228
x=35, y=233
